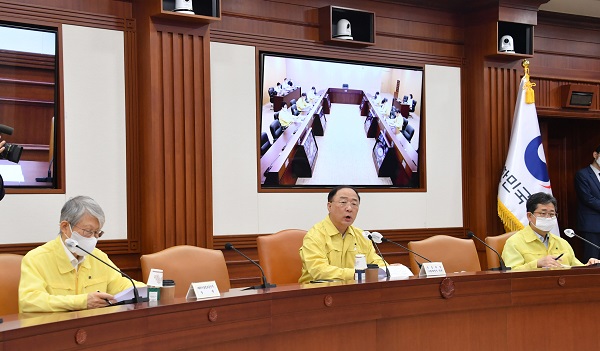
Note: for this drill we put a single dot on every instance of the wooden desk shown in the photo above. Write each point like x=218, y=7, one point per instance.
x=345, y=96
x=402, y=107
x=406, y=155
x=293, y=94
x=470, y=311
x=275, y=164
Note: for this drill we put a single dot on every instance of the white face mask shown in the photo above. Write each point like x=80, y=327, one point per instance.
x=88, y=244
x=545, y=224
x=598, y=161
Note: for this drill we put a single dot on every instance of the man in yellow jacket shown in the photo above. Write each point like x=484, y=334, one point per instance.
x=330, y=246
x=534, y=246
x=56, y=277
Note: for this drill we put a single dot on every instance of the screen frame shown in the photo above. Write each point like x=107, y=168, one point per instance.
x=260, y=98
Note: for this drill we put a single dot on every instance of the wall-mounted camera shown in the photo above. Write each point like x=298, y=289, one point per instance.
x=507, y=44
x=12, y=152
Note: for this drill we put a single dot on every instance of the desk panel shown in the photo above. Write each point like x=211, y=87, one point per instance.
x=293, y=94
x=468, y=311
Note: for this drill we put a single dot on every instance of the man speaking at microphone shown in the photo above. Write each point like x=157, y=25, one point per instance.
x=55, y=277
x=534, y=246
x=330, y=246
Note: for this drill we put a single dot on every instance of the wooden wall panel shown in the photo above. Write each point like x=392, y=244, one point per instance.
x=175, y=139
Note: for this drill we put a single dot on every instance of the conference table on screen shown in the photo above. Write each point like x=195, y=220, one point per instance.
x=460, y=311
x=276, y=165
x=30, y=170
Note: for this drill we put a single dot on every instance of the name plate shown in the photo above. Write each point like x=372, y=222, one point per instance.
x=432, y=269
x=203, y=290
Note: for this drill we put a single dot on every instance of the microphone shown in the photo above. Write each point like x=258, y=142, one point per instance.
x=502, y=267
x=6, y=129
x=386, y=240
x=571, y=233
x=376, y=237
x=72, y=243
x=265, y=284
x=47, y=179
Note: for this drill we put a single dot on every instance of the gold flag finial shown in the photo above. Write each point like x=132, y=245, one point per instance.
x=529, y=94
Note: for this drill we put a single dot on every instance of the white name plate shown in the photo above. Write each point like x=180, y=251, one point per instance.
x=203, y=290
x=432, y=269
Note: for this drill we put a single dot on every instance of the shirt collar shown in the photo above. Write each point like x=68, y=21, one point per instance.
x=595, y=170
x=72, y=259
x=331, y=229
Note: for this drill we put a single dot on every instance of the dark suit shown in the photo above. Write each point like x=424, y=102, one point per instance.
x=588, y=214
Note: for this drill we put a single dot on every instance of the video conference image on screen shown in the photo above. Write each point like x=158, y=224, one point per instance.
x=326, y=122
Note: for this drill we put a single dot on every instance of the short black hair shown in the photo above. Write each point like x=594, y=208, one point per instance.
x=540, y=199
x=598, y=149
x=303, y=94
x=338, y=188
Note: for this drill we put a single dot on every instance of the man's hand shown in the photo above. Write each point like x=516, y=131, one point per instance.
x=99, y=299
x=2, y=145
x=592, y=261
x=549, y=261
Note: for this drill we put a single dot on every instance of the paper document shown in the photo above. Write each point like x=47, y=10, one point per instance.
x=396, y=271
x=127, y=294
x=12, y=173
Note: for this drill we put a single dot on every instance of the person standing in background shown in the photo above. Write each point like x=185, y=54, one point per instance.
x=587, y=186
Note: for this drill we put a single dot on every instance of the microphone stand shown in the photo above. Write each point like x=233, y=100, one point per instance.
x=502, y=267
x=136, y=294
x=265, y=283
x=386, y=240
x=47, y=179
x=387, y=270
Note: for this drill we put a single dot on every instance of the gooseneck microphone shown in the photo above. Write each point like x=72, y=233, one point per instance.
x=386, y=240
x=265, y=283
x=502, y=267
x=375, y=237
x=73, y=243
x=571, y=233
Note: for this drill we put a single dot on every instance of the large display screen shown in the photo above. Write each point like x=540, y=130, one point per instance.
x=296, y=89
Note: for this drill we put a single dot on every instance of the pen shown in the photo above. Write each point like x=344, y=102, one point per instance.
x=108, y=302
x=559, y=256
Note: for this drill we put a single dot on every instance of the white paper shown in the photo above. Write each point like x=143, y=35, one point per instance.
x=12, y=173
x=396, y=271
x=127, y=294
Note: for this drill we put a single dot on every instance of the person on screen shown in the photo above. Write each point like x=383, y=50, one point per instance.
x=57, y=278
x=376, y=97
x=534, y=246
x=587, y=185
x=330, y=246
x=303, y=103
x=285, y=116
x=279, y=89
x=409, y=102
x=286, y=84
x=312, y=94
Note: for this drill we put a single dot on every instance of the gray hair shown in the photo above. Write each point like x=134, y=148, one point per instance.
x=77, y=207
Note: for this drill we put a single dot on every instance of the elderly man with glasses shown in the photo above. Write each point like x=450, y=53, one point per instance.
x=534, y=246
x=57, y=277
x=330, y=246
